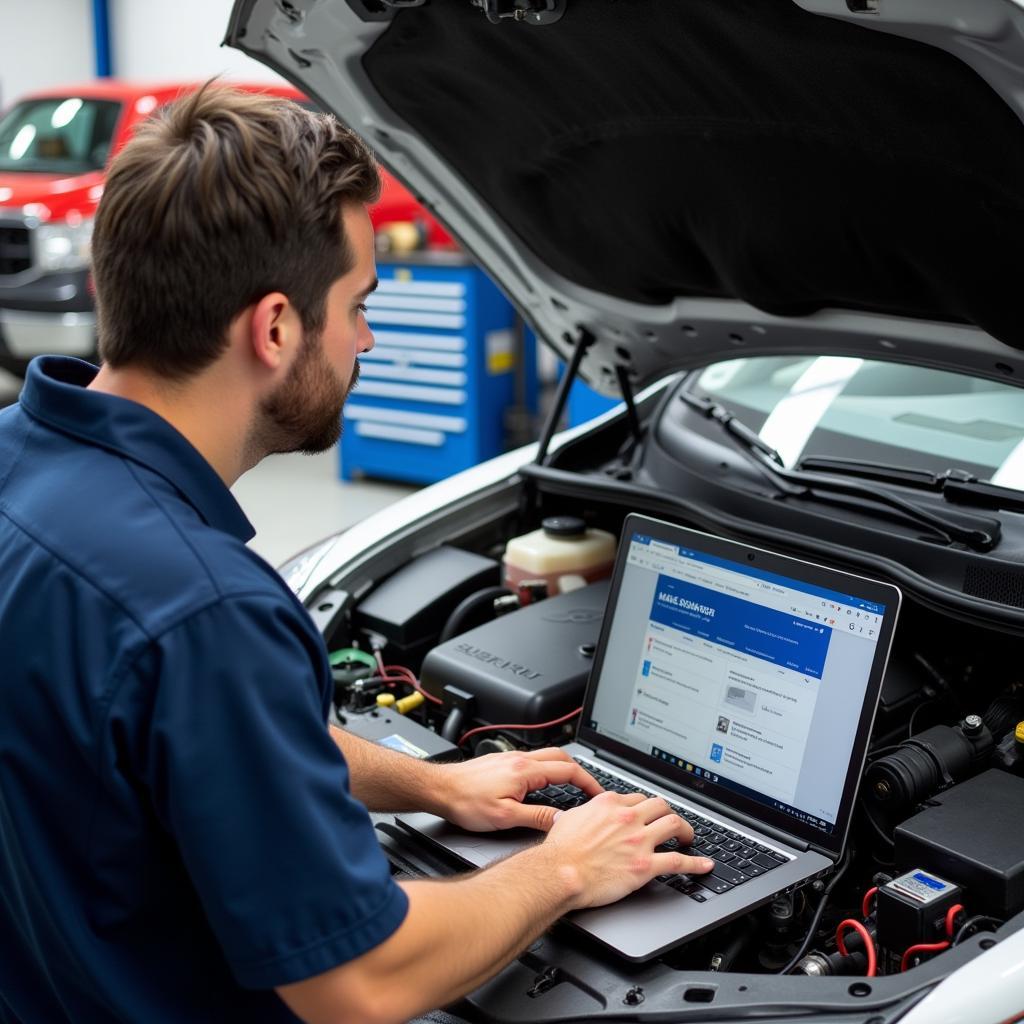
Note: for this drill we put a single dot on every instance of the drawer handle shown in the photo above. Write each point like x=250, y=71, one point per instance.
x=407, y=435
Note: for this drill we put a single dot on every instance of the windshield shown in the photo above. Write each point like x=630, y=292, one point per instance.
x=876, y=412
x=62, y=135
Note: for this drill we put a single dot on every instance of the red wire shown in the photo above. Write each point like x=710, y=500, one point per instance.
x=957, y=908
x=415, y=684
x=869, y=943
x=924, y=947
x=865, y=907
x=540, y=725
x=405, y=675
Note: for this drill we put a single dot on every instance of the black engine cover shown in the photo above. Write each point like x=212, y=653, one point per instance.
x=526, y=667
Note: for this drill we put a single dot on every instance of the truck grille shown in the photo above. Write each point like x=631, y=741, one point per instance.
x=15, y=251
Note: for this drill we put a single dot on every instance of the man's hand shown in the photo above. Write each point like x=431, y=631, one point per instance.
x=609, y=844
x=459, y=932
x=486, y=793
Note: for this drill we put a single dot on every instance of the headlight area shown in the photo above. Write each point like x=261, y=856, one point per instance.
x=455, y=656
x=64, y=246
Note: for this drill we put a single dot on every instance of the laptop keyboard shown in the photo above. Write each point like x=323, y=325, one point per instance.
x=737, y=857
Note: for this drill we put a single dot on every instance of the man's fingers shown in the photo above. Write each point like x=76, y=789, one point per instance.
x=582, y=778
x=549, y=754
x=530, y=816
x=679, y=863
x=692, y=865
x=670, y=826
x=630, y=799
x=558, y=773
x=652, y=808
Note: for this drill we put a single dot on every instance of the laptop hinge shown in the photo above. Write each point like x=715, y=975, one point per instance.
x=697, y=798
x=824, y=851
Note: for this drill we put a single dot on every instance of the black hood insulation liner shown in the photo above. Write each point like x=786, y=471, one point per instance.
x=726, y=148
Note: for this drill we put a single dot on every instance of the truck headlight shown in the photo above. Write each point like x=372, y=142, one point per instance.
x=64, y=246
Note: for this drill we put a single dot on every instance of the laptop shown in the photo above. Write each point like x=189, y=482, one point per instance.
x=740, y=685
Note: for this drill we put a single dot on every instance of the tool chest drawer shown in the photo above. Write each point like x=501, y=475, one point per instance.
x=432, y=393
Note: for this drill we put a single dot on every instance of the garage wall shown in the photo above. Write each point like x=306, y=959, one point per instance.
x=34, y=55
x=178, y=40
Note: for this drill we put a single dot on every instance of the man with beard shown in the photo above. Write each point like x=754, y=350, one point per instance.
x=182, y=838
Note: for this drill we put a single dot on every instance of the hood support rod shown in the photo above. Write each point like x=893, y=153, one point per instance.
x=585, y=340
x=626, y=387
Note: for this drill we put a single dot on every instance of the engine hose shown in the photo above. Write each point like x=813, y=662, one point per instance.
x=453, y=725
x=468, y=609
x=816, y=920
x=723, y=960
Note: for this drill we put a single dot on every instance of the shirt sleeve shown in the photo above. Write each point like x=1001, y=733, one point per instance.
x=244, y=775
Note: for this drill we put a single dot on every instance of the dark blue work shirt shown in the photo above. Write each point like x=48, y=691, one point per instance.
x=177, y=835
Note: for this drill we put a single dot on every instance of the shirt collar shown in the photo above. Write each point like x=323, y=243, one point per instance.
x=55, y=393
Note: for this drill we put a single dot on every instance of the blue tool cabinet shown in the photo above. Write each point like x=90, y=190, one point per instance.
x=585, y=403
x=433, y=391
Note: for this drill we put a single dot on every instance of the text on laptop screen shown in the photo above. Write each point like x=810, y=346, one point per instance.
x=748, y=679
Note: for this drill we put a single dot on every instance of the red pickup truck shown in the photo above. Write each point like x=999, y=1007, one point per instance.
x=54, y=150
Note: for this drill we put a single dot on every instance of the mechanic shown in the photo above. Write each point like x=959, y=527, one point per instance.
x=181, y=836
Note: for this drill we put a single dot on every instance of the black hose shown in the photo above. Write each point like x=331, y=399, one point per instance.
x=1003, y=713
x=741, y=936
x=467, y=608
x=816, y=920
x=913, y=715
x=453, y=725
x=973, y=922
x=879, y=831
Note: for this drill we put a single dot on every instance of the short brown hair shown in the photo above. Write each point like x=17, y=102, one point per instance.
x=221, y=198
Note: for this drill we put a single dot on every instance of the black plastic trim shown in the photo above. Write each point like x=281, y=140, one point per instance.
x=42, y=295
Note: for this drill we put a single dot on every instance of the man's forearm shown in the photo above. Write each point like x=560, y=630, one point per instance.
x=386, y=780
x=456, y=935
x=491, y=917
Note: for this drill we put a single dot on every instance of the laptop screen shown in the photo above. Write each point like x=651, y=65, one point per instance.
x=748, y=680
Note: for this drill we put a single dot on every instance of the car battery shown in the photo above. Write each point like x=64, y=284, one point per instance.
x=387, y=728
x=911, y=910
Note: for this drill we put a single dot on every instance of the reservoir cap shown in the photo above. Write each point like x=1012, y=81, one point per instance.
x=564, y=526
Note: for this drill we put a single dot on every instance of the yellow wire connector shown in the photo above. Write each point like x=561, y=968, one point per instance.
x=414, y=700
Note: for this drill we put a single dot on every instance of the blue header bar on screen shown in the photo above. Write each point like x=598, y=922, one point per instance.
x=785, y=640
x=768, y=577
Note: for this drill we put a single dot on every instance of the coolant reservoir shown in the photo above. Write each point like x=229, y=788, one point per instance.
x=563, y=552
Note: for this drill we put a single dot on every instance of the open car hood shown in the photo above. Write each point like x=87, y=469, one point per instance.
x=687, y=182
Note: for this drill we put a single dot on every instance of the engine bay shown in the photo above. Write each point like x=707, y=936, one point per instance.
x=468, y=663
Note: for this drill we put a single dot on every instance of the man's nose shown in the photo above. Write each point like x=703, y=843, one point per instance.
x=366, y=340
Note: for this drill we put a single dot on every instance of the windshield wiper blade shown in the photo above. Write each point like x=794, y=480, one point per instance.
x=903, y=475
x=800, y=481
x=957, y=486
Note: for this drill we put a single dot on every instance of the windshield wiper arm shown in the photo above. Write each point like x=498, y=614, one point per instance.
x=957, y=486
x=803, y=482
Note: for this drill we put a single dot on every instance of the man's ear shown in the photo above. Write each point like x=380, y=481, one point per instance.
x=275, y=330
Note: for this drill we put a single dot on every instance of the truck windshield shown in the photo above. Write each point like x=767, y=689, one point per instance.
x=58, y=135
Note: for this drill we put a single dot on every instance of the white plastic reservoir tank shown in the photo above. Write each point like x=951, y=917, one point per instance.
x=563, y=552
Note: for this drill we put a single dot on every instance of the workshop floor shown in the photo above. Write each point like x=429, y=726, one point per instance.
x=292, y=500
